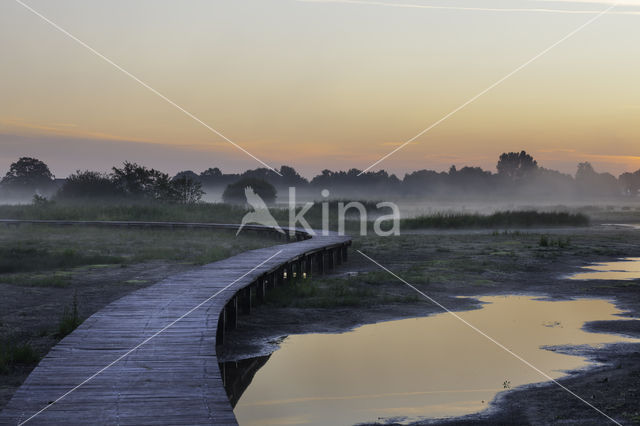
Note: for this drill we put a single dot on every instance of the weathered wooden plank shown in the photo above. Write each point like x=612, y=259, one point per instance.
x=173, y=378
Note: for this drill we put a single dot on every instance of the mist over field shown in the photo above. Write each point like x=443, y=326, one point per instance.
x=518, y=183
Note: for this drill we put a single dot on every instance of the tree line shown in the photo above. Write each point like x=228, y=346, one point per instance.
x=29, y=176
x=517, y=173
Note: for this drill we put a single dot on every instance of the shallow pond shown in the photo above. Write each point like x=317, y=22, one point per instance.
x=415, y=368
x=624, y=269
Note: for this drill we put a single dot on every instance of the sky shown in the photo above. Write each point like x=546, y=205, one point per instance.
x=319, y=84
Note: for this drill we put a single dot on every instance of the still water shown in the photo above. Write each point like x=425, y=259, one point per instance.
x=624, y=269
x=421, y=367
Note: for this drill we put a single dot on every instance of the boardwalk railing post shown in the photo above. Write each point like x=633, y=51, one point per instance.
x=223, y=373
x=321, y=262
x=308, y=266
x=232, y=313
x=245, y=300
x=289, y=268
x=330, y=259
x=221, y=326
x=299, y=270
x=261, y=289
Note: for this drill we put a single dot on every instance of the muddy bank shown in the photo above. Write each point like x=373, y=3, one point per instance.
x=612, y=387
x=447, y=267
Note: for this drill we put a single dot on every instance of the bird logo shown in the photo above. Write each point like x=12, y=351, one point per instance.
x=260, y=214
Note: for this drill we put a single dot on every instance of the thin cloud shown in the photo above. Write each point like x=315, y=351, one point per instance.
x=487, y=9
x=615, y=158
x=600, y=2
x=62, y=129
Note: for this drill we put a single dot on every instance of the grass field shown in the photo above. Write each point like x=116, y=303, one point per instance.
x=225, y=213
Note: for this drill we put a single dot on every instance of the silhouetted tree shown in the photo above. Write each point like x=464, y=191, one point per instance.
x=186, y=190
x=234, y=193
x=630, y=183
x=211, y=172
x=352, y=180
x=424, y=182
x=516, y=166
x=28, y=174
x=290, y=177
x=88, y=184
x=189, y=174
x=585, y=171
x=135, y=180
x=593, y=183
x=214, y=177
x=469, y=179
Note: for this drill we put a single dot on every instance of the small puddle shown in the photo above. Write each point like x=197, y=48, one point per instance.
x=416, y=368
x=624, y=269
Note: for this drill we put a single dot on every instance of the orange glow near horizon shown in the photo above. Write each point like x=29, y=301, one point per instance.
x=321, y=85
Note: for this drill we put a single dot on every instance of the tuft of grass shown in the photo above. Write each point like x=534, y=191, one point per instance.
x=320, y=294
x=544, y=241
x=562, y=243
x=506, y=219
x=70, y=319
x=136, y=282
x=15, y=354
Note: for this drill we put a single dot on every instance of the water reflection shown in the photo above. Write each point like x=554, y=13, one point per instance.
x=625, y=269
x=237, y=375
x=420, y=367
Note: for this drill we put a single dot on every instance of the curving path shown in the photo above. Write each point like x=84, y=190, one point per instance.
x=173, y=376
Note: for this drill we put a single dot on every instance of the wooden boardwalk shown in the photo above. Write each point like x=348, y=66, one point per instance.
x=174, y=377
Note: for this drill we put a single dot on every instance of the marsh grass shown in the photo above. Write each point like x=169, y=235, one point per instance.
x=546, y=241
x=507, y=219
x=318, y=294
x=14, y=354
x=70, y=318
x=336, y=292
